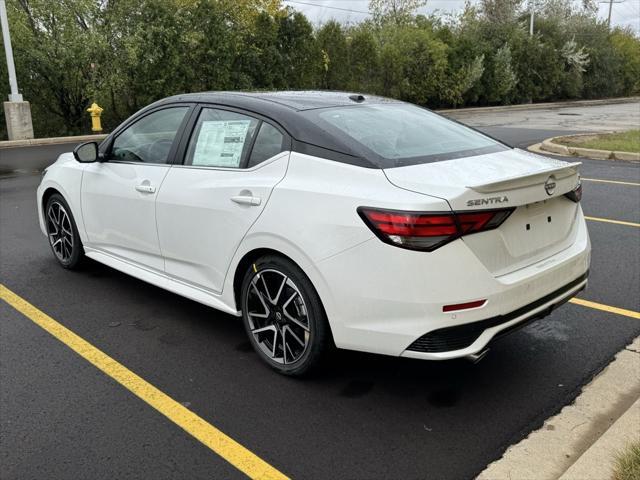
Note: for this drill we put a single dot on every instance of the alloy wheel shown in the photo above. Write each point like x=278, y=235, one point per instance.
x=278, y=317
x=60, y=231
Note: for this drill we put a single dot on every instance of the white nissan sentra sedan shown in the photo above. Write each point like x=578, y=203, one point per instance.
x=326, y=218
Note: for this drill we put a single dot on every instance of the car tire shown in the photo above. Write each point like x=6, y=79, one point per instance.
x=283, y=316
x=62, y=232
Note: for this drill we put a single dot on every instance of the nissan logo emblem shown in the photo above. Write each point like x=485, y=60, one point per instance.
x=550, y=185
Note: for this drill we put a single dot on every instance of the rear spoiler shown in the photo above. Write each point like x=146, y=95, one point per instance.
x=533, y=178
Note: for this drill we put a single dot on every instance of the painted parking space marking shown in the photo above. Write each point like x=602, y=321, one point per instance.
x=608, y=220
x=606, y=308
x=223, y=445
x=615, y=182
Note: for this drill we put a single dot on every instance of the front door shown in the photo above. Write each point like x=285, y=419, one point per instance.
x=207, y=205
x=119, y=194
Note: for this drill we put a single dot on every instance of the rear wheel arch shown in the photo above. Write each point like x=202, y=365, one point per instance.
x=250, y=258
x=243, y=265
x=279, y=327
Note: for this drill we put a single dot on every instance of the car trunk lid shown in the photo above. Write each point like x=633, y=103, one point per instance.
x=543, y=221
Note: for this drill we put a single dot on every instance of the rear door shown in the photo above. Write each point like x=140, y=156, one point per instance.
x=232, y=161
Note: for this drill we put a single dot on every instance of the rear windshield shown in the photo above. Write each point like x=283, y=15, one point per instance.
x=401, y=134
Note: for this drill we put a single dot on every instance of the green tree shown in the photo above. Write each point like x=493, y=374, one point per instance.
x=332, y=43
x=627, y=48
x=500, y=11
x=55, y=51
x=504, y=78
x=414, y=64
x=396, y=12
x=301, y=58
x=260, y=65
x=364, y=60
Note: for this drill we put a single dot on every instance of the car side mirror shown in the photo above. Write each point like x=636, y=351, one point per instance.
x=86, y=152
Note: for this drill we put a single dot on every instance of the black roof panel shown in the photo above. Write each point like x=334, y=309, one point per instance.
x=294, y=99
x=309, y=99
x=283, y=108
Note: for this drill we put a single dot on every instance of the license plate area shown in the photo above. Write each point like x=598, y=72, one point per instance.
x=537, y=226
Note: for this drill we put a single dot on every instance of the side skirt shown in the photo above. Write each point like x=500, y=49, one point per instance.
x=160, y=280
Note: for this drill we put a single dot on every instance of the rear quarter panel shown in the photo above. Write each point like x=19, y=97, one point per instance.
x=312, y=216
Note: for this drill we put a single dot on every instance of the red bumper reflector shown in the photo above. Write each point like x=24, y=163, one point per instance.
x=463, y=306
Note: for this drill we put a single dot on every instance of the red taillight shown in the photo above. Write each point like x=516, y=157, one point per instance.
x=406, y=224
x=428, y=231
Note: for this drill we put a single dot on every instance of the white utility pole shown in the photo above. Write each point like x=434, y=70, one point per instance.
x=610, y=2
x=14, y=96
x=531, y=8
x=17, y=112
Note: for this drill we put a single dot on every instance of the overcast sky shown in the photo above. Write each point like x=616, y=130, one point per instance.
x=627, y=12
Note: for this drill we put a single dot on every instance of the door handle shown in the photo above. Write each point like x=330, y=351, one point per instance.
x=246, y=200
x=144, y=188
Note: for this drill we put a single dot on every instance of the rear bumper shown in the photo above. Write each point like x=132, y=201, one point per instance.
x=471, y=338
x=383, y=299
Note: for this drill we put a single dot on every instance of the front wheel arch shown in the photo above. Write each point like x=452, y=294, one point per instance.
x=46, y=195
x=69, y=236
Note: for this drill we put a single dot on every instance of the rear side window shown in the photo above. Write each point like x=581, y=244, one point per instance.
x=268, y=143
x=401, y=134
x=221, y=139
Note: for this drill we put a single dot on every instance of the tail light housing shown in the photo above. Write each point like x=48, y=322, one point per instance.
x=427, y=231
x=575, y=195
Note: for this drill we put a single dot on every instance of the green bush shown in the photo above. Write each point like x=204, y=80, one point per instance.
x=627, y=466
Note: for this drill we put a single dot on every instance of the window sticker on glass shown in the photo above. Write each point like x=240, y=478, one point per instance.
x=220, y=143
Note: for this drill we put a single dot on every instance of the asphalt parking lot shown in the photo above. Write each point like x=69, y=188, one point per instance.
x=364, y=416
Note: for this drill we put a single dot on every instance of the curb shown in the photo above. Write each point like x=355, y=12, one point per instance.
x=565, y=440
x=34, y=142
x=550, y=146
x=542, y=106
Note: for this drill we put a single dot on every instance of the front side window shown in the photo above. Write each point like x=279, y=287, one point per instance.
x=401, y=134
x=221, y=139
x=149, y=140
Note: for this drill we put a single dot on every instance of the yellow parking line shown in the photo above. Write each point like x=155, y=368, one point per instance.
x=608, y=220
x=234, y=453
x=616, y=182
x=606, y=308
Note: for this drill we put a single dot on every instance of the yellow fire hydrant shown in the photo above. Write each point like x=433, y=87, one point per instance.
x=95, y=112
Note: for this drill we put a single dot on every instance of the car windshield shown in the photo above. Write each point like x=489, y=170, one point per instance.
x=402, y=134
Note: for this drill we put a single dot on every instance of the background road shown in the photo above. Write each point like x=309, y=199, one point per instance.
x=561, y=118
x=30, y=159
x=365, y=416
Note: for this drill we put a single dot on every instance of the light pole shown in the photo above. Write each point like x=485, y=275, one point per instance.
x=531, y=8
x=609, y=16
x=610, y=2
x=17, y=112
